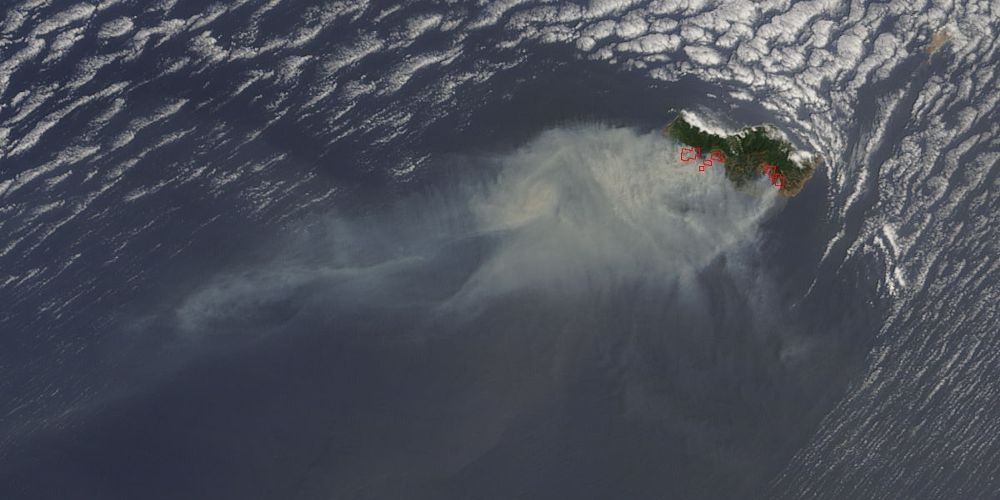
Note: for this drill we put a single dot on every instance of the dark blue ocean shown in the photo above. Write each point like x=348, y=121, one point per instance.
x=299, y=249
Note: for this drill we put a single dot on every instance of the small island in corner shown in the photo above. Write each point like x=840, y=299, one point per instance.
x=747, y=150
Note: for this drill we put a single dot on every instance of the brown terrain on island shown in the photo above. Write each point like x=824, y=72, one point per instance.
x=939, y=38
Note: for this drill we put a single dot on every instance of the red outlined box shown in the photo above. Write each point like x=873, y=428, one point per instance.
x=717, y=156
x=688, y=154
x=777, y=179
x=705, y=163
x=769, y=169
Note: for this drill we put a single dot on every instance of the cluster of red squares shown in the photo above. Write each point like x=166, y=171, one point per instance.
x=776, y=178
x=688, y=154
x=693, y=153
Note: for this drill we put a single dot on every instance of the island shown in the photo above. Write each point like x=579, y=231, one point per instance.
x=938, y=39
x=748, y=153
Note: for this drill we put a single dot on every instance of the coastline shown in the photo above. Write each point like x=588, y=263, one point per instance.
x=747, y=151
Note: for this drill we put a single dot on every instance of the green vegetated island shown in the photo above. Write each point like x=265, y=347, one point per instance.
x=746, y=150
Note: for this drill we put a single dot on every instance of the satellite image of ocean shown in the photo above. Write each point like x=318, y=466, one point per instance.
x=499, y=249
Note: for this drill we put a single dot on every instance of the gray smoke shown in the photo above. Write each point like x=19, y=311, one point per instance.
x=576, y=213
x=585, y=317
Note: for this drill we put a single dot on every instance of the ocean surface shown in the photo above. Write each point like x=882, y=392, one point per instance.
x=285, y=249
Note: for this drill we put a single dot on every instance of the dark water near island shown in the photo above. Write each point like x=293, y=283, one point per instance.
x=512, y=290
x=587, y=395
